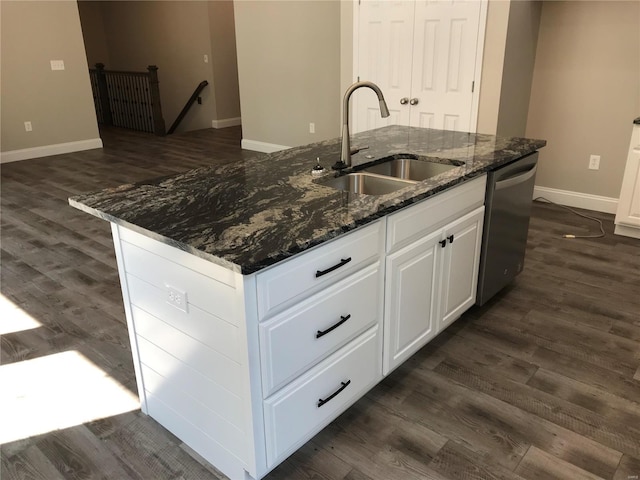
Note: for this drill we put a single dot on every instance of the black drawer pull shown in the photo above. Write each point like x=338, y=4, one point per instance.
x=333, y=327
x=450, y=237
x=343, y=261
x=344, y=385
x=443, y=243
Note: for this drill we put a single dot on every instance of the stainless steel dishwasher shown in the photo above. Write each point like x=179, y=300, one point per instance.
x=506, y=225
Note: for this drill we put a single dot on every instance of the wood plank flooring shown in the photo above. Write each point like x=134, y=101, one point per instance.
x=543, y=382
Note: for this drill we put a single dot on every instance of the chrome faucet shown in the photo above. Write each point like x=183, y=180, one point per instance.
x=345, y=155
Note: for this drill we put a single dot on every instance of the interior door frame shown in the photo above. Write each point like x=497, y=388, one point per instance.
x=477, y=72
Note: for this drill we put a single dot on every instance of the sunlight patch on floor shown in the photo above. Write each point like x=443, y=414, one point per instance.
x=57, y=391
x=14, y=319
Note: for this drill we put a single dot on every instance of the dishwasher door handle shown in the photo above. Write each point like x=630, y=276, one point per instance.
x=517, y=179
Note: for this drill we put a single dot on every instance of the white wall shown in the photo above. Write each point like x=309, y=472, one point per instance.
x=289, y=70
x=585, y=93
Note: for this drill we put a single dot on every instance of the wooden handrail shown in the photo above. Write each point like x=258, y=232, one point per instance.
x=187, y=106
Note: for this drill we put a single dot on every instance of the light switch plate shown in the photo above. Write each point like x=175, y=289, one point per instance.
x=57, y=64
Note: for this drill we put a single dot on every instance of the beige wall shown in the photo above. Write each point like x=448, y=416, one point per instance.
x=95, y=39
x=346, y=48
x=173, y=35
x=517, y=70
x=57, y=103
x=492, y=66
x=585, y=93
x=224, y=59
x=507, y=70
x=289, y=70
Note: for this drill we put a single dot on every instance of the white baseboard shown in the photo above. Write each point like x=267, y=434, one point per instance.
x=48, y=150
x=633, y=232
x=577, y=199
x=226, y=122
x=263, y=147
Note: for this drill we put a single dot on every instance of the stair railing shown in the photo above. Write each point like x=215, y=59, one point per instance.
x=128, y=99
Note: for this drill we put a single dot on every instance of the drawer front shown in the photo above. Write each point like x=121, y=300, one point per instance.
x=417, y=220
x=296, y=339
x=312, y=270
x=297, y=412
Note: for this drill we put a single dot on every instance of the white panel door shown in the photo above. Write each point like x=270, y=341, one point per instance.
x=421, y=51
x=444, y=63
x=385, y=45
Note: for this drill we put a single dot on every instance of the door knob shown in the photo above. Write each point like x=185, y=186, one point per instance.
x=413, y=101
x=404, y=101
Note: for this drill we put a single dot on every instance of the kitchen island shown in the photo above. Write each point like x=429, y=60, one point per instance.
x=261, y=302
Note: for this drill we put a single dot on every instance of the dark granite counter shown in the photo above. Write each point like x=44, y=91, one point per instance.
x=251, y=214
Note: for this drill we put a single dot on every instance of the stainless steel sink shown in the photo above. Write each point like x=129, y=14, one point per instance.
x=367, y=184
x=410, y=168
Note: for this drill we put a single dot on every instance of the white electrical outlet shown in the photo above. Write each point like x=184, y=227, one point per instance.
x=57, y=64
x=28, y=127
x=206, y=58
x=312, y=127
x=594, y=162
x=176, y=297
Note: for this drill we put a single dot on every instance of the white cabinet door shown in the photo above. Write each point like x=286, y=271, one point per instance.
x=423, y=55
x=428, y=285
x=460, y=266
x=411, y=299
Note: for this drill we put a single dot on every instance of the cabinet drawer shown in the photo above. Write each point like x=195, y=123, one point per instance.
x=415, y=221
x=312, y=270
x=297, y=412
x=296, y=339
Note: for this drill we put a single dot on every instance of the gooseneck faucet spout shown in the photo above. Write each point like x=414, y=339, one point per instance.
x=345, y=155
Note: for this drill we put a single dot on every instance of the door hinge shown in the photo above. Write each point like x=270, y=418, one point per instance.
x=473, y=84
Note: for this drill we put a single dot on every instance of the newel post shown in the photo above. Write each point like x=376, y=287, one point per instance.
x=103, y=93
x=156, y=107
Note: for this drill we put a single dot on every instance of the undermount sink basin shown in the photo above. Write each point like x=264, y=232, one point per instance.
x=367, y=184
x=410, y=168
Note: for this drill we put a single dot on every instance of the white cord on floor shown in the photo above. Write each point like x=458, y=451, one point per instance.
x=568, y=235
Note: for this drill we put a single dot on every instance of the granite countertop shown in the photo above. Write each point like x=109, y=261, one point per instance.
x=253, y=213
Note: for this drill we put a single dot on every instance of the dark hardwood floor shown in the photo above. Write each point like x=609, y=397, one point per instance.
x=543, y=382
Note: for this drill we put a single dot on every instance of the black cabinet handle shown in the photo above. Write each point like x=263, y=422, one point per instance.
x=450, y=237
x=443, y=243
x=343, y=261
x=344, y=385
x=333, y=327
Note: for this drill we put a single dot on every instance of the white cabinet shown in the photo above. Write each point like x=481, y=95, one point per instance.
x=628, y=212
x=411, y=301
x=246, y=368
x=425, y=56
x=460, y=263
x=431, y=281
